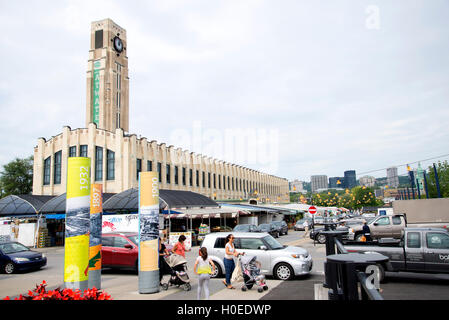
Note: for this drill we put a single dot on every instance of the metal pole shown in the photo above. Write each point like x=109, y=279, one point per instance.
x=425, y=185
x=408, y=194
x=437, y=181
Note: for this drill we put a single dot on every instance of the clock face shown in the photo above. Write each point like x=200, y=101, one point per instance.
x=118, y=44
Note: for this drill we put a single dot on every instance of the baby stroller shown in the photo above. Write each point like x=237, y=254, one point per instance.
x=251, y=274
x=177, y=269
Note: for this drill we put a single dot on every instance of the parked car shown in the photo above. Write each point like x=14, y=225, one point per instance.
x=283, y=262
x=15, y=257
x=245, y=228
x=418, y=250
x=299, y=224
x=120, y=250
x=281, y=226
x=318, y=220
x=270, y=229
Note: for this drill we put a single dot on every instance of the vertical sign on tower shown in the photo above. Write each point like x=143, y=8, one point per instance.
x=96, y=93
x=77, y=223
x=148, y=232
x=96, y=210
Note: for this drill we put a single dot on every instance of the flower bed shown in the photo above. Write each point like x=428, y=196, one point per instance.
x=41, y=293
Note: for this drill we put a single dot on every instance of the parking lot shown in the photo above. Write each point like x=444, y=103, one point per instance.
x=123, y=285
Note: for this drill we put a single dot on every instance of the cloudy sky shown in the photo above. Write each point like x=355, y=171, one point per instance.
x=312, y=87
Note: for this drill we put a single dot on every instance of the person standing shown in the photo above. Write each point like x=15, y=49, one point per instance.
x=180, y=247
x=366, y=231
x=306, y=227
x=203, y=269
x=163, y=267
x=228, y=260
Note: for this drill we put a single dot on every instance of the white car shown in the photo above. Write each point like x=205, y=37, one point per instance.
x=283, y=262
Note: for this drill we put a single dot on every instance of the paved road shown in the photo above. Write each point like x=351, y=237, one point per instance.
x=123, y=285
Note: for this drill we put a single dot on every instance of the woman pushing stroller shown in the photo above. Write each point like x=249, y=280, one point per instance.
x=228, y=260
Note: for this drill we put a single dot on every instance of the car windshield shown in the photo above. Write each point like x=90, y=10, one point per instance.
x=264, y=227
x=241, y=227
x=12, y=247
x=274, y=245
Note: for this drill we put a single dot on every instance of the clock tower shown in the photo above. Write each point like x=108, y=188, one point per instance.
x=107, y=77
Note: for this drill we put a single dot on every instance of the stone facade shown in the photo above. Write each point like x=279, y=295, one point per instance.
x=222, y=180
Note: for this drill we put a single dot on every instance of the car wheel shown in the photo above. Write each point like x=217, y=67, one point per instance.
x=9, y=268
x=283, y=271
x=321, y=238
x=218, y=272
x=381, y=273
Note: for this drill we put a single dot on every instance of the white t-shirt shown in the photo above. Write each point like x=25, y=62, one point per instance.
x=230, y=249
x=305, y=224
x=203, y=266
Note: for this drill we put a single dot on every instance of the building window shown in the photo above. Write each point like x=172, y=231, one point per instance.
x=229, y=183
x=83, y=150
x=215, y=181
x=47, y=168
x=98, y=163
x=176, y=174
x=168, y=173
x=197, y=178
x=190, y=177
x=204, y=179
x=138, y=167
x=183, y=176
x=57, y=168
x=208, y=180
x=110, y=165
x=159, y=170
x=72, y=151
x=149, y=165
x=219, y=181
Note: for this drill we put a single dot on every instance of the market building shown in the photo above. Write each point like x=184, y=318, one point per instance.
x=117, y=157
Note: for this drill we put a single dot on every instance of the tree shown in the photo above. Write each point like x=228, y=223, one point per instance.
x=17, y=177
x=443, y=178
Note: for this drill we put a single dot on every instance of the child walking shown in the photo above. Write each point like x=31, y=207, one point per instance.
x=203, y=269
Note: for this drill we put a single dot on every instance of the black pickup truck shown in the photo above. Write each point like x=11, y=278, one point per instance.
x=423, y=250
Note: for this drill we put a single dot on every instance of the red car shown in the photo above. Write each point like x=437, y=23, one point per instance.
x=120, y=250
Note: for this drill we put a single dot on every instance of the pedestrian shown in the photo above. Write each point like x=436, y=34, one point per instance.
x=163, y=267
x=228, y=260
x=366, y=231
x=180, y=247
x=203, y=269
x=306, y=228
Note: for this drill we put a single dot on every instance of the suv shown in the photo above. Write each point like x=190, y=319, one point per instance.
x=120, y=250
x=269, y=228
x=245, y=228
x=281, y=226
x=283, y=262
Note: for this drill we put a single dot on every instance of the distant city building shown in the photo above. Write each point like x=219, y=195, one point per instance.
x=297, y=186
x=336, y=182
x=318, y=182
x=367, y=181
x=392, y=177
x=350, y=179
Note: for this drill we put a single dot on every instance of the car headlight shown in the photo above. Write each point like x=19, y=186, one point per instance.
x=21, y=259
x=299, y=256
x=44, y=256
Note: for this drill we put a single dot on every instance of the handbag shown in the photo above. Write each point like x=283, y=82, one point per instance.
x=237, y=275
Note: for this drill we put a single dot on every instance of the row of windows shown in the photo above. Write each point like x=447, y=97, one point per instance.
x=222, y=183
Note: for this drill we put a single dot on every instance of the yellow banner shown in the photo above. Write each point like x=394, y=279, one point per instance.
x=78, y=177
x=76, y=258
x=149, y=255
x=96, y=198
x=149, y=189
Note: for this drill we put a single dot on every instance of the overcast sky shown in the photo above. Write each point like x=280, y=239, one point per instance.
x=319, y=86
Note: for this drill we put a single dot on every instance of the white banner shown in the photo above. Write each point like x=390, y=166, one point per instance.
x=120, y=223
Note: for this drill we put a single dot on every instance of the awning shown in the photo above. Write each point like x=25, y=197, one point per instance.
x=128, y=200
x=27, y=204
x=57, y=216
x=206, y=213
